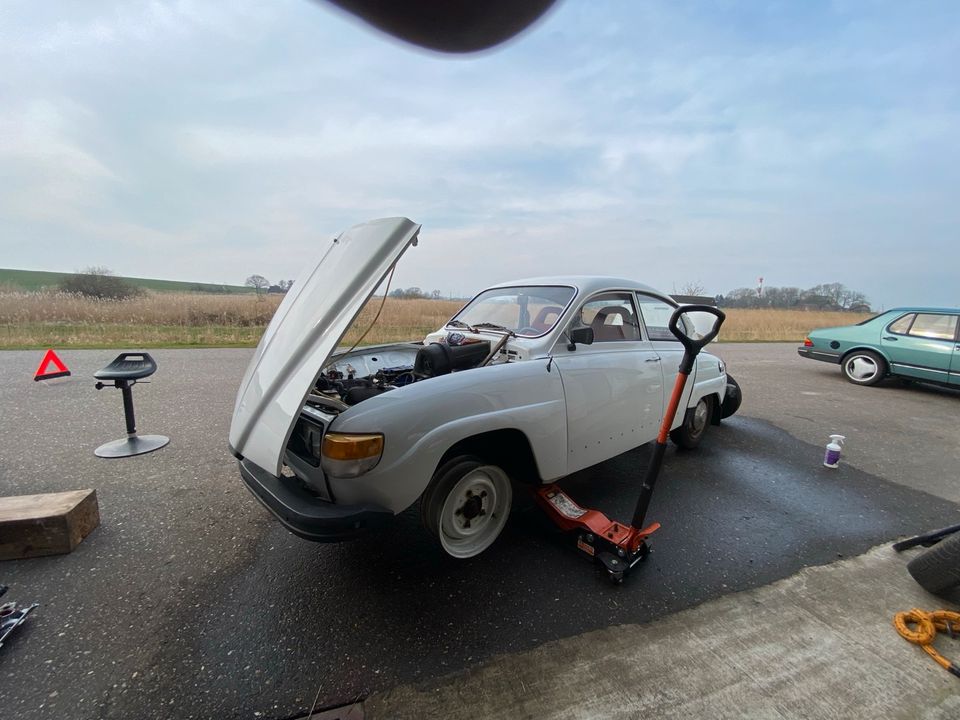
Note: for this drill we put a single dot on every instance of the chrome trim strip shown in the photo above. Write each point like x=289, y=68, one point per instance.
x=920, y=367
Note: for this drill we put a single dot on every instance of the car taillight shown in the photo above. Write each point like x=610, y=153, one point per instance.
x=807, y=342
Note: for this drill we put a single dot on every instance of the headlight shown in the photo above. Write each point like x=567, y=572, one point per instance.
x=350, y=454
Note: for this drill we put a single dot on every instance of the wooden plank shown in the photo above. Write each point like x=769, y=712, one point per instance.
x=49, y=524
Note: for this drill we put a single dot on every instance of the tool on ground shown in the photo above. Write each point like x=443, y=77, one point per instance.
x=937, y=570
x=926, y=539
x=11, y=617
x=618, y=546
x=927, y=625
x=831, y=458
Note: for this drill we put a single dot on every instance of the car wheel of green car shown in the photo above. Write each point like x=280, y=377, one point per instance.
x=864, y=367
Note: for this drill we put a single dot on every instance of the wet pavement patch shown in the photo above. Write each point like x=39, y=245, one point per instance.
x=752, y=505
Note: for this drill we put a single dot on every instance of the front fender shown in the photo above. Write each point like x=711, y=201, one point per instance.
x=421, y=421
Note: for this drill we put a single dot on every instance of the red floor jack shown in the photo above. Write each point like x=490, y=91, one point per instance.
x=616, y=545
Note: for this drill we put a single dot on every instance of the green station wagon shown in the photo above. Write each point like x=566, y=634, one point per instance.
x=915, y=343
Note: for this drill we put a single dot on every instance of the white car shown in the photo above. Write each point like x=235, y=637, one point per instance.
x=531, y=381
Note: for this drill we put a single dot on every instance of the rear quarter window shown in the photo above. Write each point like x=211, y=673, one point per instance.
x=902, y=325
x=935, y=327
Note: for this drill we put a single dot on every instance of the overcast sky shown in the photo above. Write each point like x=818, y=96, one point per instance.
x=673, y=142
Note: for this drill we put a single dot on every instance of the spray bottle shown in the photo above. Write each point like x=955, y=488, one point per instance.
x=831, y=458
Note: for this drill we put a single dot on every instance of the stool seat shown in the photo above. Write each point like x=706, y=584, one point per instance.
x=128, y=366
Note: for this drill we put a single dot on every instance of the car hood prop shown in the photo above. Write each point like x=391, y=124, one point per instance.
x=304, y=332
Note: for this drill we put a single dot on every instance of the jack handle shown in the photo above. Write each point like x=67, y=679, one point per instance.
x=691, y=346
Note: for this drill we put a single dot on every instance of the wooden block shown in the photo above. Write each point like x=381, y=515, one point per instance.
x=49, y=524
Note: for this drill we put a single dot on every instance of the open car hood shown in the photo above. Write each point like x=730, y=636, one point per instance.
x=305, y=330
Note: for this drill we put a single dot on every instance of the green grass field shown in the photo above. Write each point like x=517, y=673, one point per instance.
x=33, y=280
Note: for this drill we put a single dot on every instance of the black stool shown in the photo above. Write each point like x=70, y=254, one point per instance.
x=125, y=370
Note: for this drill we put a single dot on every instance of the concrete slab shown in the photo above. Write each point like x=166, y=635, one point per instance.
x=819, y=644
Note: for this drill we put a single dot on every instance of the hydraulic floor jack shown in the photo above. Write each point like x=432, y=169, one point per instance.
x=618, y=546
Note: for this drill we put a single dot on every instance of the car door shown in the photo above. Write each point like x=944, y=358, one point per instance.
x=614, y=387
x=921, y=345
x=954, y=377
x=655, y=312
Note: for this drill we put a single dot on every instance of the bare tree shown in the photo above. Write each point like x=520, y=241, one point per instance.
x=692, y=288
x=258, y=283
x=99, y=282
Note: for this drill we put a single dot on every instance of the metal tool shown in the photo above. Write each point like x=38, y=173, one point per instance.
x=619, y=546
x=11, y=617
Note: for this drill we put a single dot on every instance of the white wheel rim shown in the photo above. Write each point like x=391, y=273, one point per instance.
x=475, y=511
x=699, y=417
x=862, y=368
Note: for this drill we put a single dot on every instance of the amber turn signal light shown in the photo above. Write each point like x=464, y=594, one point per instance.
x=341, y=446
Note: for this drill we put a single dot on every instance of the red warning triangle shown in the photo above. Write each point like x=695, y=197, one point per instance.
x=42, y=369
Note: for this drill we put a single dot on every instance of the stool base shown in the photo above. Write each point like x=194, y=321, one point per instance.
x=134, y=445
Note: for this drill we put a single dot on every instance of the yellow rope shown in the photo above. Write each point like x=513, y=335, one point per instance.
x=927, y=625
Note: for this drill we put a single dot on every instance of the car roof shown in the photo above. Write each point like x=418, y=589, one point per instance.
x=585, y=283
x=922, y=309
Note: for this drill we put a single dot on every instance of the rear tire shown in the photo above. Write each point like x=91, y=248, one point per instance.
x=732, y=398
x=864, y=367
x=938, y=569
x=694, y=425
x=467, y=505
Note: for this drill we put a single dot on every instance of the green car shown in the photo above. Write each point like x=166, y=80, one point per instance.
x=915, y=343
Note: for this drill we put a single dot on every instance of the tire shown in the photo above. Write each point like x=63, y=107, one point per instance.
x=694, y=425
x=938, y=569
x=467, y=505
x=864, y=367
x=732, y=398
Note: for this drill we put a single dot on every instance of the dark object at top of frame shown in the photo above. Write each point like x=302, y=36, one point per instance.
x=452, y=26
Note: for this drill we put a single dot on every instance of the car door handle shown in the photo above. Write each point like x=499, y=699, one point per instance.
x=887, y=337
x=656, y=359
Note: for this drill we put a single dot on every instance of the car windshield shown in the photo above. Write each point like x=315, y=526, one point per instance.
x=527, y=311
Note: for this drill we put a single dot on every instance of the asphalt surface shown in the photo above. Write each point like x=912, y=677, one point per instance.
x=191, y=601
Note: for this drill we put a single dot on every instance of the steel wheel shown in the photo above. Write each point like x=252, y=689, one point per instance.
x=863, y=367
x=694, y=425
x=467, y=506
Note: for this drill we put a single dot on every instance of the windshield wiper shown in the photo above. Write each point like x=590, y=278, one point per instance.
x=462, y=324
x=493, y=326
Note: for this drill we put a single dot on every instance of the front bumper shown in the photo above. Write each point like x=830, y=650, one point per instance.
x=306, y=515
x=812, y=354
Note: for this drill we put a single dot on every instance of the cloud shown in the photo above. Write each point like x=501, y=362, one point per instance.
x=668, y=141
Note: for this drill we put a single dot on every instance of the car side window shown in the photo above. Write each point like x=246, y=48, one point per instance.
x=656, y=316
x=612, y=317
x=937, y=327
x=901, y=326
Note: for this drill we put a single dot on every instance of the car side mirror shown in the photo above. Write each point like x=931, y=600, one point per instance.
x=580, y=336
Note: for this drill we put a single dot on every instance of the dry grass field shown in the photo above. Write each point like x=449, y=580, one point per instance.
x=39, y=320
x=772, y=325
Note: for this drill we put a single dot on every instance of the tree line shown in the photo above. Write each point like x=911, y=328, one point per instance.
x=260, y=284
x=415, y=293
x=828, y=296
